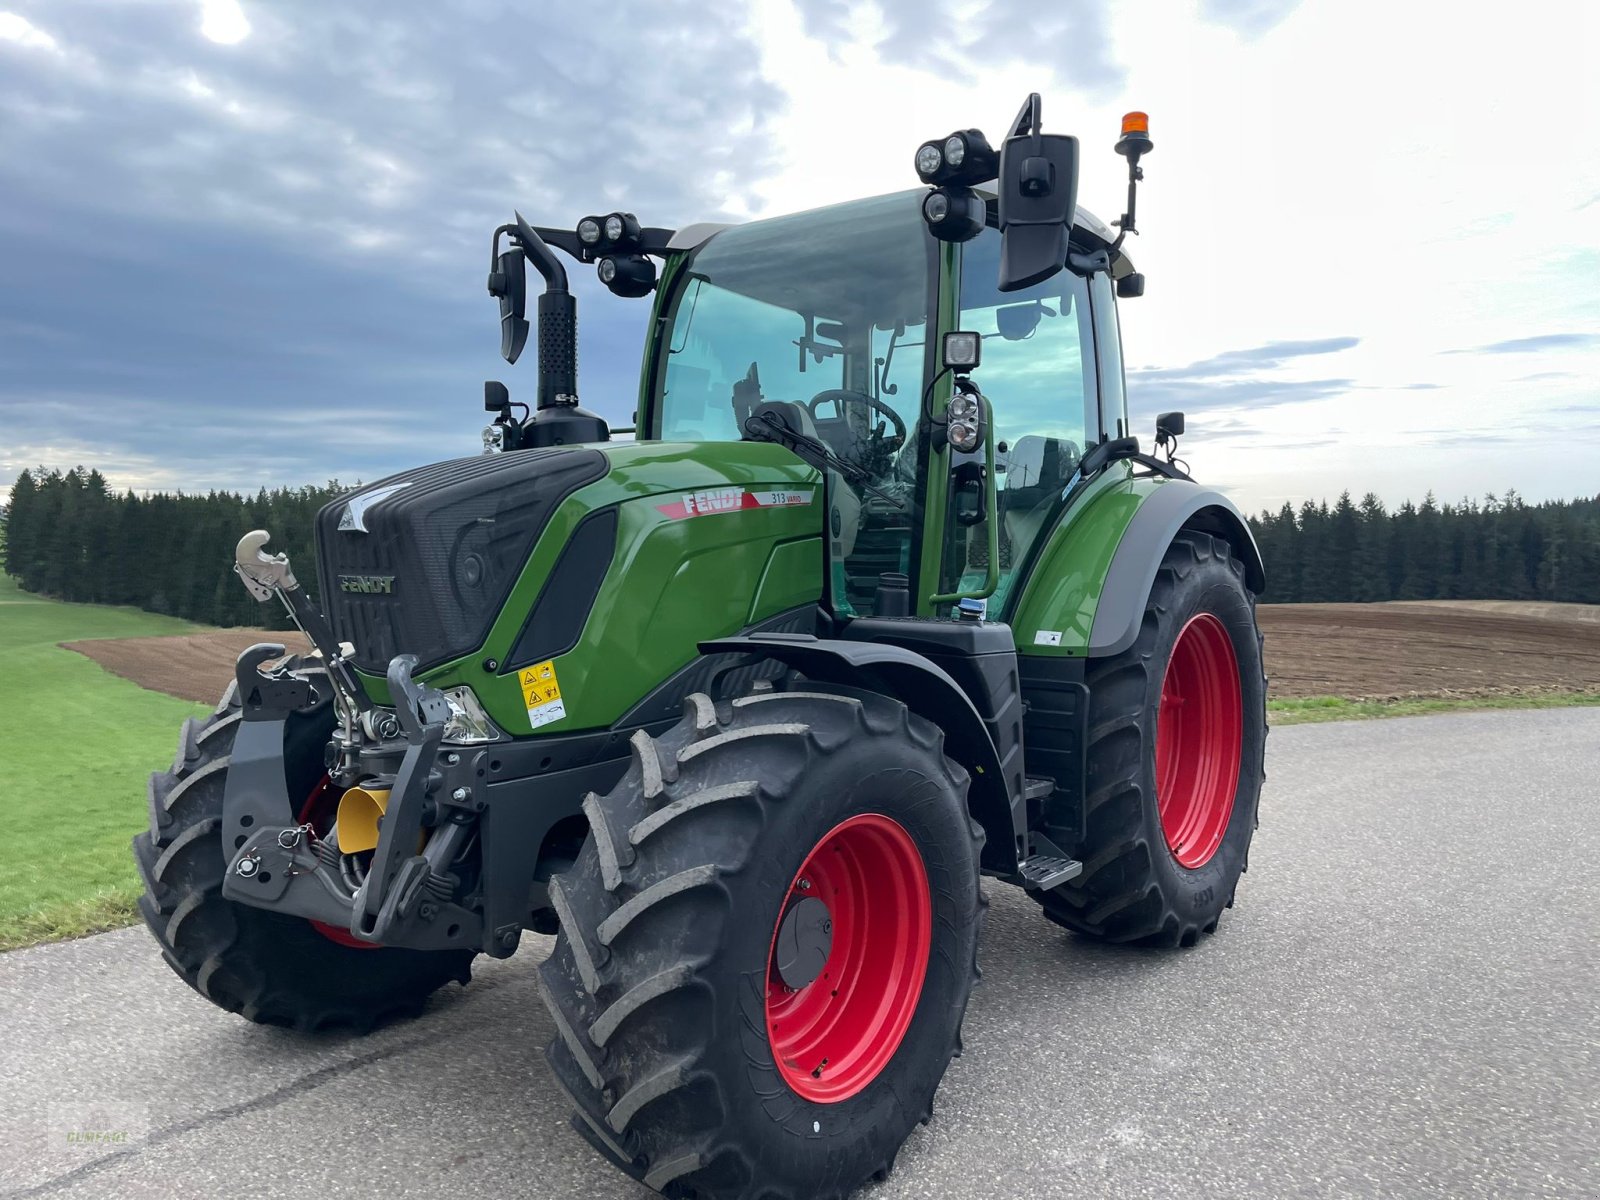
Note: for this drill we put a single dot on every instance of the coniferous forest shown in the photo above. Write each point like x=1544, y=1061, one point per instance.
x=68, y=535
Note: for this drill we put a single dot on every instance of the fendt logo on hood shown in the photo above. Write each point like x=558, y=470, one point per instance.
x=370, y=585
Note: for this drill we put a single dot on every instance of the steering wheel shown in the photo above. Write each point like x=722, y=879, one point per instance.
x=843, y=396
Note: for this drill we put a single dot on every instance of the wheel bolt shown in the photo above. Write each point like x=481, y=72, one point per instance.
x=804, y=885
x=460, y=793
x=247, y=867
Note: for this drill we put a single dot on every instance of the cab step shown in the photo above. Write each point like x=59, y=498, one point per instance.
x=1047, y=867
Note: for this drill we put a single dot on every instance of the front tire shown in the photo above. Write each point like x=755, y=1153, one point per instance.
x=1177, y=741
x=694, y=1066
x=268, y=967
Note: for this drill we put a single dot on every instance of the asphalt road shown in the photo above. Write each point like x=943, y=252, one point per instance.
x=1405, y=1003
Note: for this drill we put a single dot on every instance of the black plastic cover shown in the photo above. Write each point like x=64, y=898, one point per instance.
x=558, y=616
x=426, y=568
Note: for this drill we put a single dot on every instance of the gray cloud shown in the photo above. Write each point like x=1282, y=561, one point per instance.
x=1250, y=17
x=950, y=33
x=1527, y=345
x=266, y=261
x=1256, y=358
x=1241, y=379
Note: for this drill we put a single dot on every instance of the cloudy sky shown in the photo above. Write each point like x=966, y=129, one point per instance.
x=243, y=242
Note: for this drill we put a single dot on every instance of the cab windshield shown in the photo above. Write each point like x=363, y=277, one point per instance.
x=827, y=310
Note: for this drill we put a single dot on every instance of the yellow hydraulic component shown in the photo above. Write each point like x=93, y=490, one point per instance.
x=357, y=820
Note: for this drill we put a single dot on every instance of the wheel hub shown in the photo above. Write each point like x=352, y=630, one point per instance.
x=848, y=958
x=805, y=937
x=1199, y=740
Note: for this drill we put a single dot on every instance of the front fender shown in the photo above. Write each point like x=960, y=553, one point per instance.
x=927, y=690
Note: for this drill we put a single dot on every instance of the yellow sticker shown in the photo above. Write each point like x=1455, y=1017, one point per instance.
x=541, y=692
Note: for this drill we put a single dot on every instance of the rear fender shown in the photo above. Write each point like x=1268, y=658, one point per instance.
x=925, y=689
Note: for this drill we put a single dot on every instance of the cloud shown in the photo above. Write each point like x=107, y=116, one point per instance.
x=265, y=261
x=1530, y=345
x=1248, y=378
x=1260, y=358
x=1249, y=17
x=957, y=34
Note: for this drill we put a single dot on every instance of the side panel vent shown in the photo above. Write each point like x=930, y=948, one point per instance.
x=559, y=614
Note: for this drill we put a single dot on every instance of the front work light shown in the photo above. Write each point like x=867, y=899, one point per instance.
x=630, y=275
x=929, y=160
x=954, y=214
x=962, y=351
x=468, y=723
x=589, y=231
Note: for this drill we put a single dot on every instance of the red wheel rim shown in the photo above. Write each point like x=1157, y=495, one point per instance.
x=318, y=812
x=1199, y=736
x=832, y=1037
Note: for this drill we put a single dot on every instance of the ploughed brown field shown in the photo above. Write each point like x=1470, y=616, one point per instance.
x=1360, y=651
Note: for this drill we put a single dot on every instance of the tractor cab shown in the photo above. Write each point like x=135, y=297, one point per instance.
x=834, y=323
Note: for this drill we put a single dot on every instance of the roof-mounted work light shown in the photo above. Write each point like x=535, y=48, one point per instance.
x=614, y=231
x=964, y=157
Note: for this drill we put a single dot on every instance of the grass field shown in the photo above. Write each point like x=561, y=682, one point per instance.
x=1336, y=708
x=78, y=744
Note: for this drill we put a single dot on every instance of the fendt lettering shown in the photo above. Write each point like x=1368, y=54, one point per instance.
x=739, y=708
x=381, y=585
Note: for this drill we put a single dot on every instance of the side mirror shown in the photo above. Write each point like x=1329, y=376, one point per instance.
x=509, y=283
x=496, y=396
x=1130, y=287
x=1038, y=201
x=1169, y=425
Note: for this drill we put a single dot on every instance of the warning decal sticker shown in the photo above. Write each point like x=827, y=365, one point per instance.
x=733, y=499
x=541, y=693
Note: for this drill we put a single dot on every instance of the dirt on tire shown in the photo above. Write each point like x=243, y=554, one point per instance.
x=1361, y=651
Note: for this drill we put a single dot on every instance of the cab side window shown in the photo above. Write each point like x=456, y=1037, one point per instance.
x=1040, y=377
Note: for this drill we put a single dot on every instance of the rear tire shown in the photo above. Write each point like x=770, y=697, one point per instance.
x=661, y=978
x=268, y=967
x=1145, y=881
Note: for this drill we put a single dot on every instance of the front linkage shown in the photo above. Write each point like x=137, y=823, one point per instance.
x=410, y=893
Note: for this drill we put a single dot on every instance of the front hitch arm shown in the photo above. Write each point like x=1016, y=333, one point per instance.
x=398, y=874
x=267, y=575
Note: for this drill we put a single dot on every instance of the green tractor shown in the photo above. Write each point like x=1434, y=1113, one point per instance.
x=882, y=597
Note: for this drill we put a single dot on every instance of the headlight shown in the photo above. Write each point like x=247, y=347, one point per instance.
x=964, y=436
x=588, y=231
x=955, y=150
x=494, y=439
x=607, y=270
x=614, y=227
x=962, y=406
x=935, y=208
x=468, y=723
x=929, y=159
